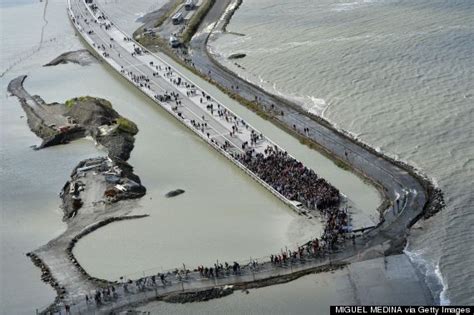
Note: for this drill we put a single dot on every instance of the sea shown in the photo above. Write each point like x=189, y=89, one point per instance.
x=398, y=75
x=223, y=215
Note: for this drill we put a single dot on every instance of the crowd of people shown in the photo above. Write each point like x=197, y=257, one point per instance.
x=291, y=178
x=274, y=166
x=335, y=233
x=219, y=270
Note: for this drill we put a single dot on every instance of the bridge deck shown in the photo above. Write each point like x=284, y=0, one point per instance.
x=191, y=104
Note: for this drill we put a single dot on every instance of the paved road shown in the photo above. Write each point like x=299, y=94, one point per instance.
x=189, y=103
x=401, y=187
x=394, y=179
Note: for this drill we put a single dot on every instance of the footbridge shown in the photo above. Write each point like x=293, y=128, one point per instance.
x=230, y=135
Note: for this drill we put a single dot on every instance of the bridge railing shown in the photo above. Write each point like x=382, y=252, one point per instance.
x=285, y=200
x=127, y=292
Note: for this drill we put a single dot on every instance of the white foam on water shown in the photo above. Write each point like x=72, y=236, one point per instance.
x=310, y=103
x=443, y=296
x=432, y=275
x=351, y=5
x=208, y=29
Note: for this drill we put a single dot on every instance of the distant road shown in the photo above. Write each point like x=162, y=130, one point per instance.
x=401, y=187
x=406, y=191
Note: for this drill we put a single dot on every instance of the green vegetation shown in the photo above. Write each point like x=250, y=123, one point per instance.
x=126, y=125
x=102, y=102
x=196, y=20
x=341, y=164
x=150, y=41
x=71, y=102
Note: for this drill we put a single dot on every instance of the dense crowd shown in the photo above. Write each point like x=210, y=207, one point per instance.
x=291, y=178
x=274, y=166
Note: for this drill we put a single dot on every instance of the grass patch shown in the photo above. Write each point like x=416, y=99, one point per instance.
x=73, y=101
x=127, y=125
x=70, y=103
x=341, y=164
x=147, y=40
x=307, y=142
x=196, y=20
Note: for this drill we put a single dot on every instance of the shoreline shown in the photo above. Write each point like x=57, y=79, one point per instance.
x=435, y=199
x=371, y=235
x=428, y=184
x=200, y=62
x=84, y=211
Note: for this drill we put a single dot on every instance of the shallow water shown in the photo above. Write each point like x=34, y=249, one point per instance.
x=398, y=74
x=29, y=180
x=222, y=215
x=128, y=12
x=304, y=296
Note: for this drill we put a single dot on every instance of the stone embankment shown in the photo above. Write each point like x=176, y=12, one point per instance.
x=395, y=179
x=390, y=176
x=100, y=190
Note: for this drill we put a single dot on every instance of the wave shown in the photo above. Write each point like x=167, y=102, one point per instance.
x=443, y=296
x=313, y=105
x=431, y=272
x=351, y=5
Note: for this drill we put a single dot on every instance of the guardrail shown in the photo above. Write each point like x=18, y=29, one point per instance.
x=123, y=295
x=127, y=292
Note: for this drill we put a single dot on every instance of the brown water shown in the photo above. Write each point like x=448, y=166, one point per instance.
x=222, y=215
x=399, y=75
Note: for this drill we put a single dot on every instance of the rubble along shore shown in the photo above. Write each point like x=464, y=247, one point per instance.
x=338, y=145
x=100, y=190
x=78, y=117
x=58, y=123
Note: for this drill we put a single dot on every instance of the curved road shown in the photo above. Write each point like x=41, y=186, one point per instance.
x=406, y=191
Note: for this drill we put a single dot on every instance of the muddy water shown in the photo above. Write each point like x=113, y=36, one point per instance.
x=223, y=214
x=304, y=296
x=396, y=73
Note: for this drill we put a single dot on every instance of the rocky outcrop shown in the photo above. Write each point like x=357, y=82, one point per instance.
x=82, y=57
x=174, y=193
x=199, y=296
x=237, y=56
x=114, y=179
x=58, y=123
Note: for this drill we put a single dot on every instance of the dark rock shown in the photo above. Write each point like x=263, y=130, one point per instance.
x=199, y=296
x=237, y=56
x=174, y=193
x=82, y=57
